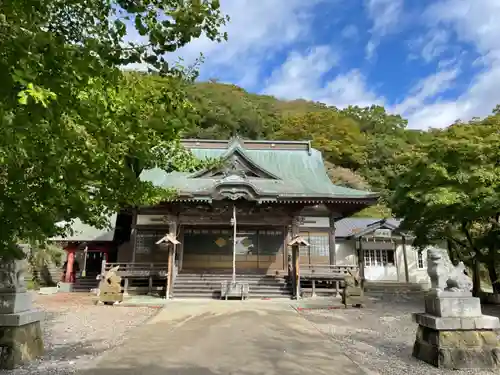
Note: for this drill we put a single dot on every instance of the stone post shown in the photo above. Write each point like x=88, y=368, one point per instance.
x=20, y=332
x=452, y=332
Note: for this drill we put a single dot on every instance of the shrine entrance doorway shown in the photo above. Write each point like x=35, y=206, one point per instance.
x=256, y=249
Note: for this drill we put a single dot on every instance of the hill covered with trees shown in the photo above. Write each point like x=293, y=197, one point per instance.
x=361, y=146
x=445, y=183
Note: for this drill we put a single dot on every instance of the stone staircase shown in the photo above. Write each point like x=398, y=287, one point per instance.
x=85, y=284
x=207, y=285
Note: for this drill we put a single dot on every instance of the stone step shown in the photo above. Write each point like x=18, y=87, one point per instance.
x=219, y=279
x=251, y=296
x=207, y=290
x=207, y=285
x=217, y=282
x=217, y=295
x=225, y=276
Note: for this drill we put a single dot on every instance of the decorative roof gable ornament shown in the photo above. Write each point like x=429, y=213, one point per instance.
x=298, y=240
x=169, y=238
x=234, y=168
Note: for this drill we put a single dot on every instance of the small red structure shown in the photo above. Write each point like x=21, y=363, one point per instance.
x=84, y=257
x=86, y=248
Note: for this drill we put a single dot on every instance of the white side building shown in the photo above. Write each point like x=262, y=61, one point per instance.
x=375, y=245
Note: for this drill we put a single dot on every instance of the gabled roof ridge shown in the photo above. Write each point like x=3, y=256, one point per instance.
x=235, y=146
x=374, y=226
x=280, y=144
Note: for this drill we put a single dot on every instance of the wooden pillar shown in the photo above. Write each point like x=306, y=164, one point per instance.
x=150, y=279
x=296, y=269
x=133, y=234
x=405, y=259
x=361, y=263
x=332, y=240
x=294, y=232
x=172, y=230
x=180, y=248
x=69, y=266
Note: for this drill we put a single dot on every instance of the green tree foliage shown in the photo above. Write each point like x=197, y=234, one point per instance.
x=226, y=110
x=451, y=190
x=75, y=130
x=375, y=119
x=41, y=257
x=337, y=136
x=362, y=145
x=345, y=177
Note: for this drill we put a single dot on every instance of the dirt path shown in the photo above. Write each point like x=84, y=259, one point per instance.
x=189, y=338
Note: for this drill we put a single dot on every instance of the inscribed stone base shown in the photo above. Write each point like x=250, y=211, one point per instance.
x=453, y=306
x=11, y=303
x=457, y=323
x=19, y=345
x=458, y=349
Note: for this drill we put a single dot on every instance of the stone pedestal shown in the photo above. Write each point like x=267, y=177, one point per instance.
x=453, y=333
x=65, y=287
x=20, y=332
x=20, y=344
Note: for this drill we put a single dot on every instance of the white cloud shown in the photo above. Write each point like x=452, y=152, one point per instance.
x=260, y=31
x=385, y=15
x=426, y=89
x=300, y=74
x=477, y=25
x=431, y=45
x=303, y=76
x=350, y=89
x=350, y=32
x=257, y=31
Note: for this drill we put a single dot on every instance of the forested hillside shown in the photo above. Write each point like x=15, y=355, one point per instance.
x=360, y=145
x=445, y=183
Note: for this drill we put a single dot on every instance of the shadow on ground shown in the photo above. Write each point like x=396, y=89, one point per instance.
x=244, y=343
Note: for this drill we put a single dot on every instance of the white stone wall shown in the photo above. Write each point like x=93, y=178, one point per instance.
x=347, y=255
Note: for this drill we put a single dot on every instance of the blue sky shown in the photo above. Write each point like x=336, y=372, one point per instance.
x=433, y=61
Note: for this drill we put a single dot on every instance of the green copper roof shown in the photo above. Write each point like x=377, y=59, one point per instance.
x=293, y=170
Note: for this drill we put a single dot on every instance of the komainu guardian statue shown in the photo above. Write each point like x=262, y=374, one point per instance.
x=352, y=294
x=110, y=288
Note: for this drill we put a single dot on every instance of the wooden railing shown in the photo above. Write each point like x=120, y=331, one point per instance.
x=327, y=271
x=139, y=269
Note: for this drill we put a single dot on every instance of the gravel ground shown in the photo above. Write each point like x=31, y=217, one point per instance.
x=76, y=332
x=380, y=337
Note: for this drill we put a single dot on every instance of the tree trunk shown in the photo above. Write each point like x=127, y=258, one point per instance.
x=492, y=272
x=452, y=253
x=476, y=278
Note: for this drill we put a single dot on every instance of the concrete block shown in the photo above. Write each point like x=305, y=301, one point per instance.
x=21, y=318
x=453, y=306
x=65, y=287
x=455, y=323
x=447, y=293
x=487, y=322
x=48, y=290
x=11, y=303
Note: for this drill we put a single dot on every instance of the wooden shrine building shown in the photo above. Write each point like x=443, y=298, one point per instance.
x=265, y=185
